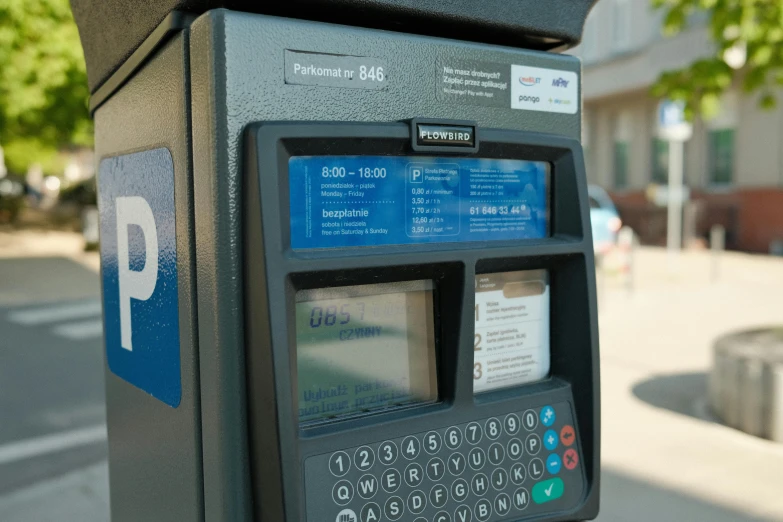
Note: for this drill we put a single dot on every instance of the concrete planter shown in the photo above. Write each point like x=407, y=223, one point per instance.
x=746, y=383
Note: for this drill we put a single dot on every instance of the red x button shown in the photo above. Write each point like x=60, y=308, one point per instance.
x=567, y=435
x=570, y=459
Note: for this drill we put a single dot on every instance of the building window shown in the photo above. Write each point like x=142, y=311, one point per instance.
x=621, y=24
x=620, y=164
x=721, y=156
x=660, y=162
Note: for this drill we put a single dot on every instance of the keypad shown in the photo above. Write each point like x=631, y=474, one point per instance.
x=485, y=470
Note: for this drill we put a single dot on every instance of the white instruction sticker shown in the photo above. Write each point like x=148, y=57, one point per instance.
x=548, y=90
x=511, y=343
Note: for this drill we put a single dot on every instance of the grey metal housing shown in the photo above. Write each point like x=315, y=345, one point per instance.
x=196, y=94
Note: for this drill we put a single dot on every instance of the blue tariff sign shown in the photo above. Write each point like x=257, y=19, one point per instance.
x=356, y=201
x=139, y=271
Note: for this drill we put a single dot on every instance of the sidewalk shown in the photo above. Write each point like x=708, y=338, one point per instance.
x=663, y=456
x=80, y=496
x=664, y=459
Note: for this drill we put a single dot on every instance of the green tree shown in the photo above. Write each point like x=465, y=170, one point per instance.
x=750, y=27
x=43, y=82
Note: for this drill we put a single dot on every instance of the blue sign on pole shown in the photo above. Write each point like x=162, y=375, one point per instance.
x=672, y=124
x=139, y=270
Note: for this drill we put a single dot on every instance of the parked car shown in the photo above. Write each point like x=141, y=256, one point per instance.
x=77, y=208
x=11, y=199
x=604, y=219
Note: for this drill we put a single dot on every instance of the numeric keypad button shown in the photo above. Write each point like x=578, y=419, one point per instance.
x=411, y=448
x=483, y=510
x=479, y=484
x=473, y=433
x=514, y=448
x=533, y=444
x=417, y=501
x=342, y=492
x=439, y=494
x=394, y=508
x=367, y=486
x=511, y=423
x=530, y=420
x=459, y=490
x=502, y=504
x=463, y=514
x=339, y=463
x=496, y=453
x=436, y=469
x=521, y=498
x=414, y=474
x=364, y=458
x=492, y=428
x=387, y=453
x=370, y=513
x=456, y=464
x=432, y=442
x=518, y=473
x=499, y=479
x=390, y=480
x=453, y=438
x=536, y=469
x=477, y=458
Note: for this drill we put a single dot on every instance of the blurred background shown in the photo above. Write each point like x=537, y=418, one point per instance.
x=689, y=248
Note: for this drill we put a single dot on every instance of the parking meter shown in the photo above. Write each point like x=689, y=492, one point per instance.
x=346, y=260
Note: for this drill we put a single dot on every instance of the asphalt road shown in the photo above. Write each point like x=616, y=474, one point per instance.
x=51, y=369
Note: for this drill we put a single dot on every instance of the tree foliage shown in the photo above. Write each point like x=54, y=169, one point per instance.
x=43, y=82
x=755, y=26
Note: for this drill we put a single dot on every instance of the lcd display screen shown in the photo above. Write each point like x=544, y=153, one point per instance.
x=364, y=348
x=511, y=344
x=350, y=201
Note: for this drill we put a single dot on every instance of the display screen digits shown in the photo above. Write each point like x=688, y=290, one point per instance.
x=363, y=348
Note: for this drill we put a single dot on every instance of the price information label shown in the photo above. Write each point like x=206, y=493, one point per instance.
x=511, y=343
x=344, y=201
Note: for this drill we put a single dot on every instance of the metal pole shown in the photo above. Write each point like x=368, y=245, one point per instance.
x=674, y=222
x=717, y=245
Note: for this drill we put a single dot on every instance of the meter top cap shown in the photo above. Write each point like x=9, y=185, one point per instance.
x=112, y=30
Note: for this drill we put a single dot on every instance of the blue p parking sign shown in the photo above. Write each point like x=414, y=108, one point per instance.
x=139, y=270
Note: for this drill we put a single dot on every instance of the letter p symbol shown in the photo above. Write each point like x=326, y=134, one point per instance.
x=135, y=284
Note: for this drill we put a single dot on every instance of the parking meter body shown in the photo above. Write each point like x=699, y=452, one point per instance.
x=347, y=274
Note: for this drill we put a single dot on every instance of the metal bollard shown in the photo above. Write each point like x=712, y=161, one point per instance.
x=717, y=246
x=626, y=243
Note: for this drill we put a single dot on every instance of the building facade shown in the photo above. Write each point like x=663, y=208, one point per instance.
x=733, y=164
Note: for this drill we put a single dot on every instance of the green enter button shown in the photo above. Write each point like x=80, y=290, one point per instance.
x=547, y=490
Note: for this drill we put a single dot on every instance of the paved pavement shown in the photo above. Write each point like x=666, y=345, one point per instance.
x=663, y=456
x=51, y=362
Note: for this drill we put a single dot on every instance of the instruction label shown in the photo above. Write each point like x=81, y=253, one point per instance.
x=474, y=82
x=511, y=343
x=335, y=70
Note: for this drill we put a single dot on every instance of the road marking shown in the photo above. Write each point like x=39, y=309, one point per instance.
x=60, y=312
x=37, y=446
x=81, y=330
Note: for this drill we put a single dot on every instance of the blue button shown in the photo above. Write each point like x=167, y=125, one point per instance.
x=550, y=440
x=553, y=464
x=548, y=415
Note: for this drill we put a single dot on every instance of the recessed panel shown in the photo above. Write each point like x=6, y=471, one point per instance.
x=511, y=343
